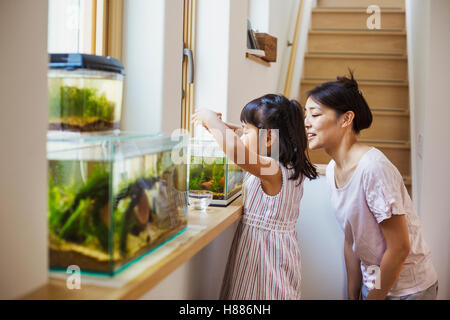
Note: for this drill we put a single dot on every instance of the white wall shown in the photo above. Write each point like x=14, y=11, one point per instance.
x=143, y=61
x=259, y=14
x=418, y=31
x=211, y=56
x=23, y=164
x=322, y=245
x=435, y=203
x=225, y=79
x=247, y=79
x=428, y=27
x=152, y=56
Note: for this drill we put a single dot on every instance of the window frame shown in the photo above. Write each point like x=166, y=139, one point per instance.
x=104, y=27
x=189, y=37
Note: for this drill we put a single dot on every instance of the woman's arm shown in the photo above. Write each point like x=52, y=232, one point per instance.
x=354, y=276
x=265, y=168
x=395, y=232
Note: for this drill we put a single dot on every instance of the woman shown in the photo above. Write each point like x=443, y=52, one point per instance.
x=385, y=254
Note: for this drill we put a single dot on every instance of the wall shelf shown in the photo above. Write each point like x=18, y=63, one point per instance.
x=257, y=59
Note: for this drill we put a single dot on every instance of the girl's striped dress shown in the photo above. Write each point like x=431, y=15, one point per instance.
x=264, y=259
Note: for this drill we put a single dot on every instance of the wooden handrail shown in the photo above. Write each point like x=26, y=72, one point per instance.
x=290, y=71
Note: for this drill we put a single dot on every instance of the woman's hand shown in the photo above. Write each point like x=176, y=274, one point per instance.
x=354, y=275
x=395, y=232
x=206, y=118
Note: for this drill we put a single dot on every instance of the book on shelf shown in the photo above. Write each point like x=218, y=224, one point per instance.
x=251, y=38
x=256, y=52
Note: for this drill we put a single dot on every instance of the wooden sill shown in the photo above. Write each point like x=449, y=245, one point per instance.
x=257, y=59
x=214, y=223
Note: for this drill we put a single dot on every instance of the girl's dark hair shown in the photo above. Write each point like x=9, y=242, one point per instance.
x=273, y=111
x=343, y=95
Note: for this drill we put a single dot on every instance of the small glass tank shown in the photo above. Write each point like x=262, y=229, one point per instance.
x=112, y=199
x=85, y=92
x=210, y=169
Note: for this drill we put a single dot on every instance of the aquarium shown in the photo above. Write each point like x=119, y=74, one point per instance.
x=210, y=169
x=112, y=199
x=84, y=92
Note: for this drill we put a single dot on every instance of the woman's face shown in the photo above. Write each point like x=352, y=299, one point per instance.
x=322, y=126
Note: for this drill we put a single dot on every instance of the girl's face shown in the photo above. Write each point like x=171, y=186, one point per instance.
x=322, y=126
x=250, y=136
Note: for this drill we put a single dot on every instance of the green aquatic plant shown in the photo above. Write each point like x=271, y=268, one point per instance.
x=195, y=181
x=71, y=101
x=217, y=177
x=81, y=214
x=207, y=175
x=75, y=213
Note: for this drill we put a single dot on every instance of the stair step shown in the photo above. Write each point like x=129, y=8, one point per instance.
x=391, y=4
x=387, y=125
x=357, y=42
x=398, y=152
x=379, y=95
x=353, y=9
x=407, y=180
x=326, y=18
x=366, y=67
x=393, y=112
x=401, y=32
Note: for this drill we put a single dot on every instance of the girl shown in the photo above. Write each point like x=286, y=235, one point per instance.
x=384, y=248
x=264, y=259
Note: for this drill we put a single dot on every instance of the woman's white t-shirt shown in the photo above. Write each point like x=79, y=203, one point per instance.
x=374, y=193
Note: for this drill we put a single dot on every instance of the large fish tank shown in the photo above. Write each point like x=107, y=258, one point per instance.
x=210, y=169
x=85, y=92
x=112, y=199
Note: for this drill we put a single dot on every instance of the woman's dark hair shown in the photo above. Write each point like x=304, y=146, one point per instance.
x=273, y=111
x=344, y=95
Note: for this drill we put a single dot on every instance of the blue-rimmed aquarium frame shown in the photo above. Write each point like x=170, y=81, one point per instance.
x=72, y=141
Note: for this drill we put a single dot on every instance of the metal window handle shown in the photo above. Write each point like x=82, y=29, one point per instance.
x=188, y=53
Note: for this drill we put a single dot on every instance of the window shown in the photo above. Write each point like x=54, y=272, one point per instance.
x=70, y=26
x=85, y=26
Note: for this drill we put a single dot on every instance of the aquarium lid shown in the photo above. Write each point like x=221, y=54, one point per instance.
x=73, y=61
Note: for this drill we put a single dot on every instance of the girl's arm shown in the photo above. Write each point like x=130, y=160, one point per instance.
x=395, y=232
x=354, y=276
x=265, y=168
x=236, y=128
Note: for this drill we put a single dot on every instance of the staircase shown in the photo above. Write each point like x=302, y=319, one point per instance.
x=339, y=39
